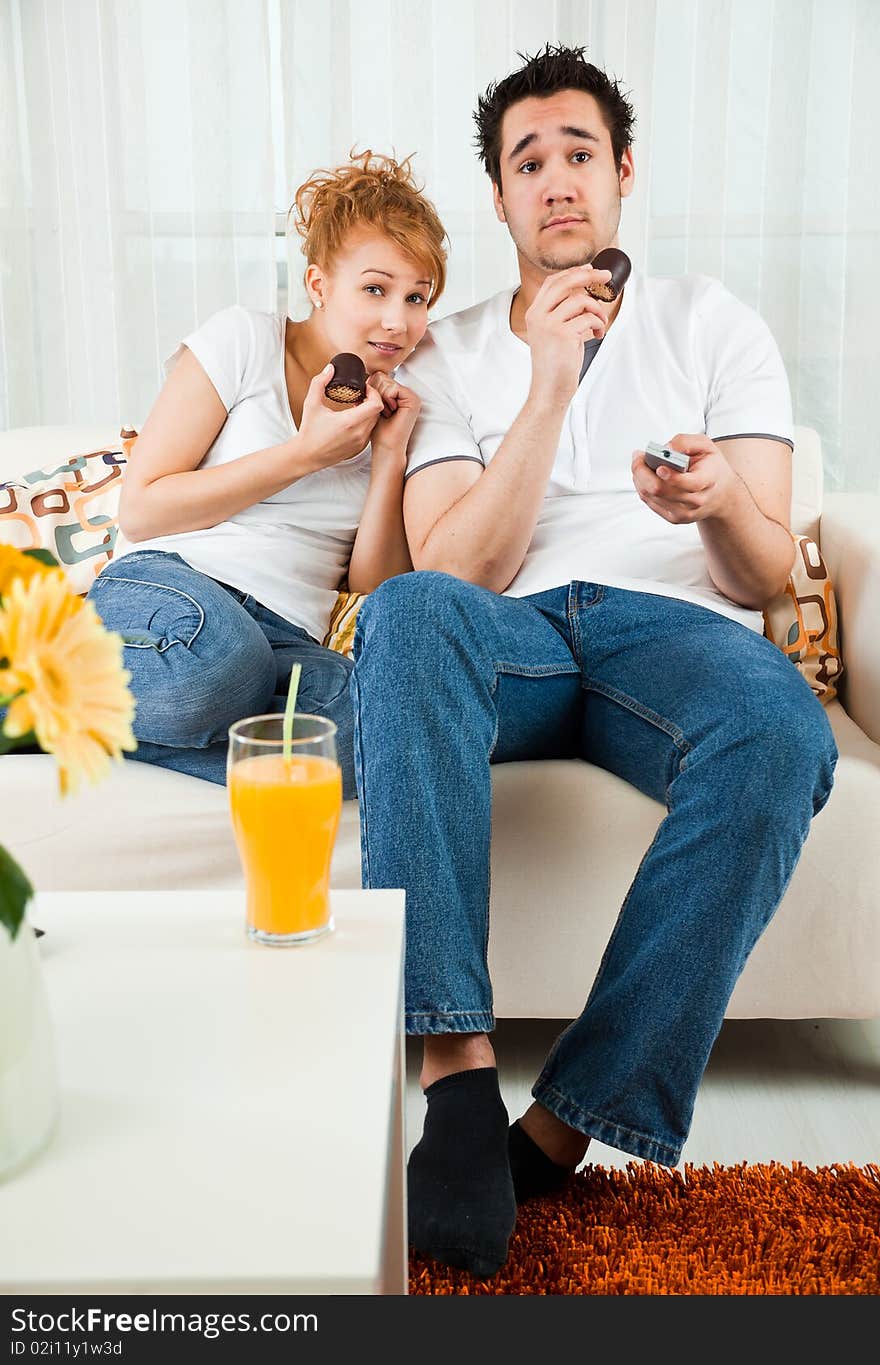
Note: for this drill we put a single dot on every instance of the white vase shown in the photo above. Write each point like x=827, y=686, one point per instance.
x=28, y=1078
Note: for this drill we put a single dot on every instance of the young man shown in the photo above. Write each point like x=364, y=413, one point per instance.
x=567, y=600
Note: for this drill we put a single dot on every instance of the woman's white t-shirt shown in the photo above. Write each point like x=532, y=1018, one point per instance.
x=683, y=355
x=291, y=550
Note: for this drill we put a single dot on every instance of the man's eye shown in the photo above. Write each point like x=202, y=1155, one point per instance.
x=586, y=155
x=526, y=164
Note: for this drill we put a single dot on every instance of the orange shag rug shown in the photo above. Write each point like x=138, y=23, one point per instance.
x=740, y=1229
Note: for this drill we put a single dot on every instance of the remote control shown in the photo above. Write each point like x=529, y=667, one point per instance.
x=657, y=455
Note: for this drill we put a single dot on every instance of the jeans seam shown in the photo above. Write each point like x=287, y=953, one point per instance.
x=176, y=592
x=574, y=606
x=527, y=671
x=639, y=709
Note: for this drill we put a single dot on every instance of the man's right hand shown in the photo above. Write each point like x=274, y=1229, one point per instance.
x=327, y=436
x=561, y=318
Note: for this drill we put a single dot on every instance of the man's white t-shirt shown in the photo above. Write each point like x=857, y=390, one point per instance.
x=683, y=355
x=291, y=550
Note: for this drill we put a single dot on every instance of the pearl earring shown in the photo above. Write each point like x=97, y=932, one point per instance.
x=318, y=303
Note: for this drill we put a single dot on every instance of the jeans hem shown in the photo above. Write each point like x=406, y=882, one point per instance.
x=604, y=1130
x=457, y=1021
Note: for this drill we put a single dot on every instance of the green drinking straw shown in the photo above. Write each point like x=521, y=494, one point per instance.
x=287, y=728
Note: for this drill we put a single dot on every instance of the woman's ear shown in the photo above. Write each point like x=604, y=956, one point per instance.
x=314, y=282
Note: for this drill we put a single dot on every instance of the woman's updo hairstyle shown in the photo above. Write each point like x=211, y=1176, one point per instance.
x=371, y=191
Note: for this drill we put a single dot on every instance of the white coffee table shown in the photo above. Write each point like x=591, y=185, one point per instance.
x=231, y=1115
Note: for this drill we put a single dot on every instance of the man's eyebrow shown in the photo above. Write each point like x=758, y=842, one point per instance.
x=371, y=270
x=581, y=133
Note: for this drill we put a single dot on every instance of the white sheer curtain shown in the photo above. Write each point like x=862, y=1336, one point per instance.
x=757, y=155
x=138, y=195
x=135, y=194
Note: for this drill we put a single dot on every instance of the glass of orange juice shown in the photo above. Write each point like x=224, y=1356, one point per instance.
x=285, y=813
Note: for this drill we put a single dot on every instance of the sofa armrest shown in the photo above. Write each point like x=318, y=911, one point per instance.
x=849, y=537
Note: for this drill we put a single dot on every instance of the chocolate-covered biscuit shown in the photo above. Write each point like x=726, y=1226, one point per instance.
x=620, y=266
x=349, y=381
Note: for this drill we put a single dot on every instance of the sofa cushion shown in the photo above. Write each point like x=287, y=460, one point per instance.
x=567, y=839
x=802, y=622
x=70, y=508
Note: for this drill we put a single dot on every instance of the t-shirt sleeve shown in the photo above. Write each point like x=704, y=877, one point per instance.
x=224, y=347
x=746, y=383
x=443, y=430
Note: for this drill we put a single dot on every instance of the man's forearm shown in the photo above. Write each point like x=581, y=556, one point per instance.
x=484, y=537
x=749, y=556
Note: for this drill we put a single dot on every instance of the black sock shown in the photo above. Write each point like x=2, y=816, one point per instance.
x=532, y=1170
x=462, y=1208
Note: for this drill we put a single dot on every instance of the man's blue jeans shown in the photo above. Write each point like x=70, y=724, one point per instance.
x=203, y=655
x=692, y=708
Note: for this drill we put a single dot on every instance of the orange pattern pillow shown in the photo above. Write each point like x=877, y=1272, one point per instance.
x=72, y=510
x=802, y=622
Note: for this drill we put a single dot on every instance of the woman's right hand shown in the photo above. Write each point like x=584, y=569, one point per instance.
x=326, y=437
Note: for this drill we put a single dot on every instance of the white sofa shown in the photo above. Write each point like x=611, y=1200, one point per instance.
x=567, y=837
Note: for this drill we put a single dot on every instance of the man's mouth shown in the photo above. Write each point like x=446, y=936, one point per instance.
x=563, y=222
x=386, y=347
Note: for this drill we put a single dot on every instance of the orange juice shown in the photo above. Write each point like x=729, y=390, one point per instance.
x=285, y=813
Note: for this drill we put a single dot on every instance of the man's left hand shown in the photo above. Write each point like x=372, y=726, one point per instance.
x=706, y=490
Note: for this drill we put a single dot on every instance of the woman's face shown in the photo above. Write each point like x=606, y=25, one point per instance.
x=375, y=300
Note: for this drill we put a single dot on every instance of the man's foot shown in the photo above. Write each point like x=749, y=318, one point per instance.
x=462, y=1208
x=543, y=1153
x=532, y=1171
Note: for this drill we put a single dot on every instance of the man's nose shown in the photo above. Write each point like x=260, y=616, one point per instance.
x=559, y=183
x=559, y=190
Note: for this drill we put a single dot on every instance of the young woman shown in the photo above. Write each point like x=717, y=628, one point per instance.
x=250, y=495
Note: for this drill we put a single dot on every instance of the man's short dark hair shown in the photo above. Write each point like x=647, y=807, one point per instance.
x=554, y=69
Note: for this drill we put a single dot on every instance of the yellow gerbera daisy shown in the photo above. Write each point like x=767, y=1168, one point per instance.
x=68, y=668
x=15, y=564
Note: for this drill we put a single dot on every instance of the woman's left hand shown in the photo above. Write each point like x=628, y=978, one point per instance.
x=400, y=408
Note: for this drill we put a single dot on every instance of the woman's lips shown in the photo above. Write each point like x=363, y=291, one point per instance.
x=385, y=348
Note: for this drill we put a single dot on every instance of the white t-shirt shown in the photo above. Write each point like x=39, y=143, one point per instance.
x=291, y=550
x=683, y=355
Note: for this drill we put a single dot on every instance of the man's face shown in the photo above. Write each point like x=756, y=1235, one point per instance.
x=560, y=189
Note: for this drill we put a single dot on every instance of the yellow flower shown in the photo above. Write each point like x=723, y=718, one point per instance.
x=69, y=669
x=14, y=564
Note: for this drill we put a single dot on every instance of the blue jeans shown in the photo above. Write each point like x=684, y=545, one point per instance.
x=203, y=655
x=696, y=710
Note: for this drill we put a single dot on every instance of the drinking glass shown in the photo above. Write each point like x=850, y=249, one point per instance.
x=285, y=814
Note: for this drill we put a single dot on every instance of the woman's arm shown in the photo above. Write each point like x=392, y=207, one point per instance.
x=380, y=548
x=165, y=492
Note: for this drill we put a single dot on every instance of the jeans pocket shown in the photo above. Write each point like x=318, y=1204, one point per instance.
x=147, y=615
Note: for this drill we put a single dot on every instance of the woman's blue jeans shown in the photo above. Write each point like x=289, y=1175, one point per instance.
x=203, y=655
x=696, y=710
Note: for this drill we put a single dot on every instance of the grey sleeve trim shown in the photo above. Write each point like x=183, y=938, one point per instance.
x=443, y=459
x=757, y=435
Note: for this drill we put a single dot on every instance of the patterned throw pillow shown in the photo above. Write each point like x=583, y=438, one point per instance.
x=343, y=619
x=802, y=622
x=71, y=510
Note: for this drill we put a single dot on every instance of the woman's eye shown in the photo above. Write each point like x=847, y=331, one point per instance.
x=368, y=287
x=417, y=298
